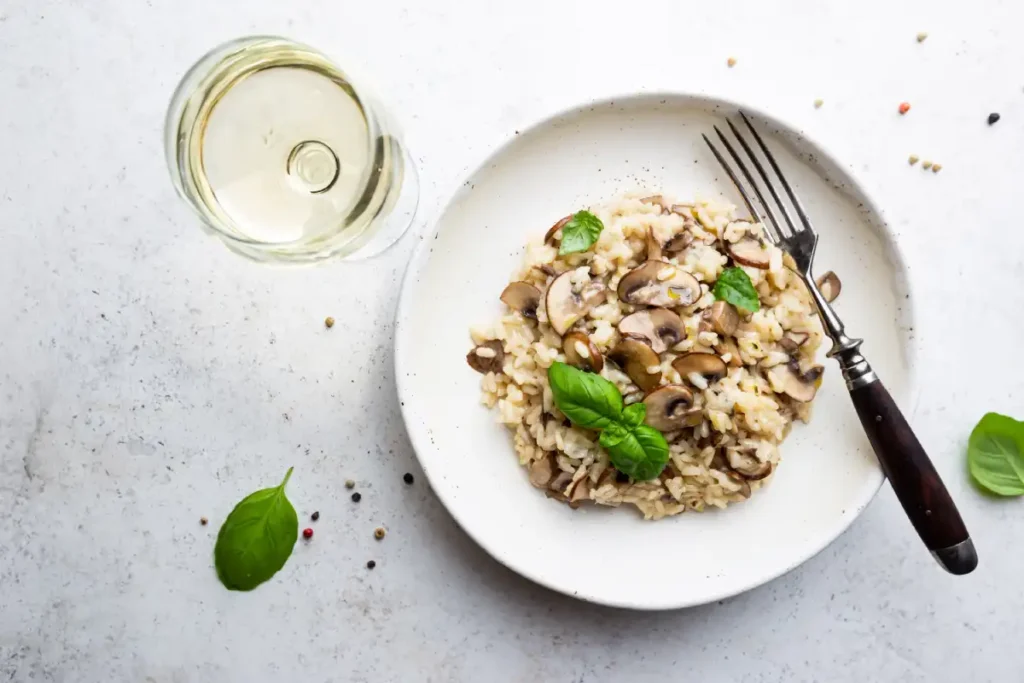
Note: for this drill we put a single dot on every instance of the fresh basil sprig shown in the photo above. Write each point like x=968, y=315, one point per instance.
x=995, y=455
x=256, y=539
x=735, y=287
x=592, y=402
x=580, y=233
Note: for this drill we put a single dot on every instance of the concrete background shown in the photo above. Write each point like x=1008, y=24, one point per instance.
x=149, y=377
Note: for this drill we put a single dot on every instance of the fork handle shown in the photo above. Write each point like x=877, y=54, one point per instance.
x=913, y=477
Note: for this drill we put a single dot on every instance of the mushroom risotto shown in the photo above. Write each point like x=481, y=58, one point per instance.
x=681, y=307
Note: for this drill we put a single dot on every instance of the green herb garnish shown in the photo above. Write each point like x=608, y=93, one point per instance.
x=580, y=233
x=734, y=286
x=592, y=402
x=995, y=455
x=256, y=539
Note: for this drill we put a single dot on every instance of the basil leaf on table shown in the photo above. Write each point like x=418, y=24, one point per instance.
x=256, y=539
x=640, y=452
x=588, y=400
x=735, y=287
x=580, y=233
x=995, y=455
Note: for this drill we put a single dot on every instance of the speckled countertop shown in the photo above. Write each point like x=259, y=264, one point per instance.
x=149, y=377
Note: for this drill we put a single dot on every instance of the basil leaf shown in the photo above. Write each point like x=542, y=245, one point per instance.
x=734, y=286
x=641, y=452
x=612, y=436
x=256, y=539
x=633, y=415
x=588, y=400
x=995, y=455
x=580, y=233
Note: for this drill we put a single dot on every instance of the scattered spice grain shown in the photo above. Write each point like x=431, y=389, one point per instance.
x=904, y=107
x=992, y=118
x=408, y=478
x=921, y=36
x=204, y=521
x=379, y=533
x=371, y=564
x=307, y=533
x=315, y=516
x=913, y=159
x=349, y=484
x=356, y=497
x=731, y=62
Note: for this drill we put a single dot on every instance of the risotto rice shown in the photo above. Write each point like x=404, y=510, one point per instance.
x=746, y=376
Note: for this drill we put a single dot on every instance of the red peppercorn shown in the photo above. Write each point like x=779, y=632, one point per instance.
x=904, y=107
x=307, y=533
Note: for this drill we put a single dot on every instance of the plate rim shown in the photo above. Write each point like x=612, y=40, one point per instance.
x=419, y=258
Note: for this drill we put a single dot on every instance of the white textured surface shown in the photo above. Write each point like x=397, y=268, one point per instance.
x=146, y=374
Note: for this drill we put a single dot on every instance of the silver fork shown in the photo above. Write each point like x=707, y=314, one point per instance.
x=914, y=480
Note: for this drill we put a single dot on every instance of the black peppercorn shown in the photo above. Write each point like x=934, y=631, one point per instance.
x=356, y=497
x=315, y=516
x=992, y=118
x=371, y=564
x=408, y=478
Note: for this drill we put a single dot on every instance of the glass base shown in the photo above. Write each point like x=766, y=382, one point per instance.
x=388, y=228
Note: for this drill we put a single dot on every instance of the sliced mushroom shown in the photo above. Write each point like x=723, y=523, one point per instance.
x=653, y=246
x=488, y=357
x=560, y=482
x=657, y=200
x=678, y=243
x=546, y=269
x=581, y=352
x=694, y=416
x=749, y=251
x=791, y=341
x=706, y=365
x=724, y=318
x=830, y=286
x=541, y=471
x=549, y=236
x=639, y=361
x=728, y=347
x=685, y=210
x=580, y=493
x=659, y=327
x=798, y=386
x=745, y=464
x=522, y=297
x=668, y=407
x=659, y=283
x=567, y=302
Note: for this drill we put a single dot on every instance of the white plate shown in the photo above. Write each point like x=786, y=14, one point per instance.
x=607, y=555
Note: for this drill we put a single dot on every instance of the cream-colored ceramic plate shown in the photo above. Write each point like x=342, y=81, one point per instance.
x=650, y=143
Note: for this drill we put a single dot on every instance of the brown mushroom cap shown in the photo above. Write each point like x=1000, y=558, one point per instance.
x=522, y=297
x=580, y=493
x=708, y=365
x=567, y=303
x=659, y=283
x=659, y=327
x=636, y=358
x=678, y=243
x=724, y=318
x=668, y=408
x=571, y=346
x=749, y=251
x=728, y=346
x=488, y=357
x=830, y=286
x=791, y=341
x=745, y=464
x=541, y=471
x=549, y=236
x=798, y=386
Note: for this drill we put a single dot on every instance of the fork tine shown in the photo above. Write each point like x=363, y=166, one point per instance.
x=732, y=176
x=764, y=176
x=778, y=172
x=779, y=235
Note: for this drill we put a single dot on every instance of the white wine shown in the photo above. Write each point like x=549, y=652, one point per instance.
x=280, y=154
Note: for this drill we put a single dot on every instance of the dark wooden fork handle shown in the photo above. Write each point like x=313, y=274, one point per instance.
x=914, y=480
